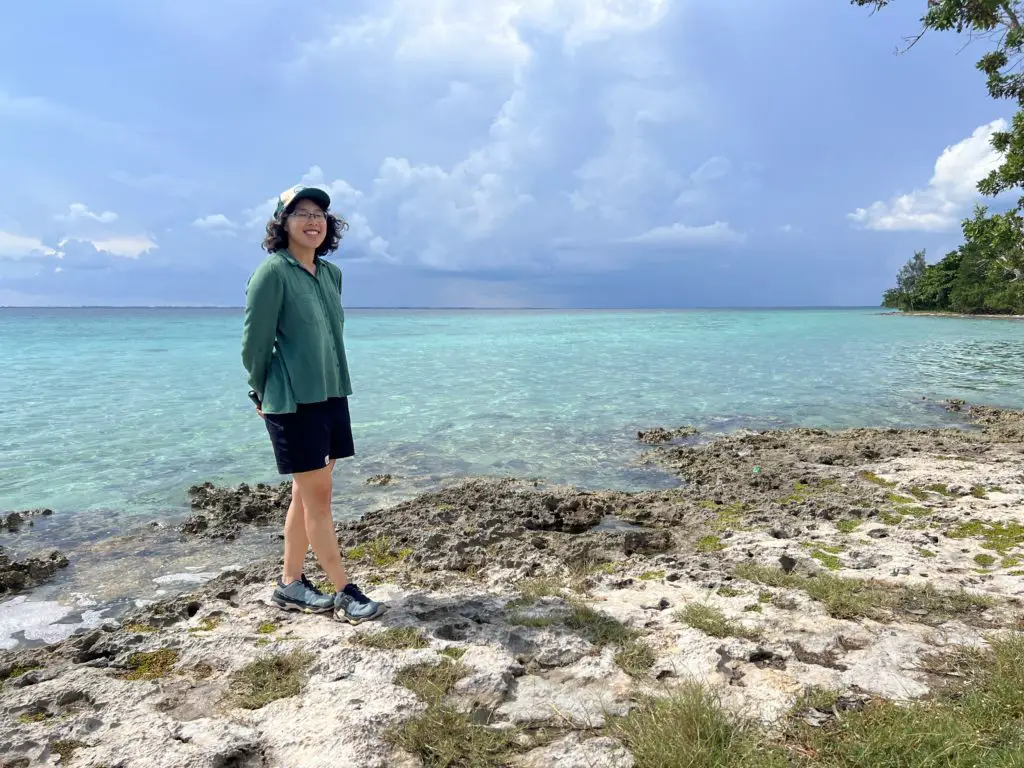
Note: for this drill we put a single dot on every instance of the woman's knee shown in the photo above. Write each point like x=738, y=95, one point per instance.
x=315, y=491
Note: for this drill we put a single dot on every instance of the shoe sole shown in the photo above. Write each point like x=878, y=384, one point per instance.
x=360, y=619
x=284, y=605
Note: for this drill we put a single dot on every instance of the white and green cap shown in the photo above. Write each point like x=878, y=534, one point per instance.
x=292, y=195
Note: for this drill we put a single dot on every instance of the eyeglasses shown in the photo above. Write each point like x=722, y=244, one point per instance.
x=309, y=215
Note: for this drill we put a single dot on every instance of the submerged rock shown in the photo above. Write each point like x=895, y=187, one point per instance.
x=660, y=435
x=19, y=575
x=222, y=512
x=14, y=521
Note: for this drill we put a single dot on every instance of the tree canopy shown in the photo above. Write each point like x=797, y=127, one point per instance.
x=986, y=273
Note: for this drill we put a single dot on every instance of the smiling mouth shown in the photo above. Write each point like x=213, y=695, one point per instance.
x=312, y=232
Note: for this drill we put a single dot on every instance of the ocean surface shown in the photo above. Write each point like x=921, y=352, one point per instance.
x=109, y=415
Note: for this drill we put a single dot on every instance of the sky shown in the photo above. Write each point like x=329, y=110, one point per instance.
x=513, y=153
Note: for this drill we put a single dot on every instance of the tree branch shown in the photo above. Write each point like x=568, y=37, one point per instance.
x=911, y=42
x=1007, y=6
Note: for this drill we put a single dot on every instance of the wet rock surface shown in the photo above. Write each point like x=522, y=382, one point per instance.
x=551, y=620
x=660, y=435
x=21, y=575
x=222, y=512
x=13, y=522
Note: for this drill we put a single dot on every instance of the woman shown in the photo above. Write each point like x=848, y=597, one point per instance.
x=293, y=349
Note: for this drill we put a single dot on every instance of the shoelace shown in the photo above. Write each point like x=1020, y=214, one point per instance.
x=356, y=594
x=310, y=585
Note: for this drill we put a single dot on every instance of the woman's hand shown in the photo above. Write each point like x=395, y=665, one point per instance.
x=260, y=412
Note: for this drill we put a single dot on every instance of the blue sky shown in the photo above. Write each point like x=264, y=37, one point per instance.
x=578, y=153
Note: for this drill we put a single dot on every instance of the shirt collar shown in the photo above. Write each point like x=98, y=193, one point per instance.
x=295, y=262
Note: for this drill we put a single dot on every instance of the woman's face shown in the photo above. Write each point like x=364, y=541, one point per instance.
x=306, y=225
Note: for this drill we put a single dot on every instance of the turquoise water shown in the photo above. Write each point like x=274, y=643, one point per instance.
x=121, y=410
x=109, y=415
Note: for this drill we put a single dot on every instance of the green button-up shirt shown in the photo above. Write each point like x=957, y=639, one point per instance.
x=292, y=345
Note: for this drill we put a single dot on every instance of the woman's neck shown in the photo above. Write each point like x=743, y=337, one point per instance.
x=305, y=256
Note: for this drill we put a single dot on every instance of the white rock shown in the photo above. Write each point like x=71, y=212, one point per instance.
x=576, y=752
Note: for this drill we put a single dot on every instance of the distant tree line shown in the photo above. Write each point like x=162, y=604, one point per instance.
x=986, y=273
x=982, y=276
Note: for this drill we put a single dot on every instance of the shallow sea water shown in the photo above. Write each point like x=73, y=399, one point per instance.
x=111, y=414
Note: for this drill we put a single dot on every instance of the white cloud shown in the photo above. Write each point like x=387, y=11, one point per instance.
x=486, y=36
x=698, y=182
x=217, y=223
x=682, y=236
x=127, y=246
x=437, y=213
x=345, y=200
x=80, y=212
x=789, y=229
x=629, y=165
x=949, y=194
x=22, y=246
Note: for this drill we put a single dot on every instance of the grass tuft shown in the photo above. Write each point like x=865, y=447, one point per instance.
x=533, y=589
x=535, y=622
x=895, y=498
x=394, y=639
x=652, y=575
x=984, y=560
x=380, y=552
x=830, y=561
x=635, y=658
x=711, y=621
x=871, y=477
x=1000, y=537
x=137, y=628
x=849, y=525
x=267, y=628
x=432, y=681
x=709, y=544
x=690, y=728
x=443, y=737
x=18, y=671
x=978, y=492
x=846, y=598
x=599, y=628
x=919, y=493
x=453, y=652
x=33, y=717
x=208, y=624
x=66, y=749
x=270, y=678
x=729, y=591
x=972, y=721
x=151, y=665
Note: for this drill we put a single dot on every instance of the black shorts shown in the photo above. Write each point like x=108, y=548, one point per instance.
x=309, y=438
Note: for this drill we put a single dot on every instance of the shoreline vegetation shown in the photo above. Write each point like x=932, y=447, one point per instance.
x=805, y=598
x=954, y=315
x=985, y=274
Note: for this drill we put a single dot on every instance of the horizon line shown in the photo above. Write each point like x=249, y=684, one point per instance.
x=465, y=308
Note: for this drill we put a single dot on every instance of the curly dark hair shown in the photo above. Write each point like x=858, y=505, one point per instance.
x=277, y=236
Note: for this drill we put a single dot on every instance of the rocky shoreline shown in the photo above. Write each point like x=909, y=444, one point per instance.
x=797, y=575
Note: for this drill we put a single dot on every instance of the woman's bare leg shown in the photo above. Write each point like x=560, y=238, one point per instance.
x=296, y=542
x=315, y=489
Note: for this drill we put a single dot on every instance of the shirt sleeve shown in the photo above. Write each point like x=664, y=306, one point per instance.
x=264, y=295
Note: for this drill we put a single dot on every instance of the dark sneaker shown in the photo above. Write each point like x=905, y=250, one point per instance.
x=353, y=606
x=301, y=596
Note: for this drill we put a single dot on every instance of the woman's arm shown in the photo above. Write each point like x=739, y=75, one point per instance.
x=264, y=294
